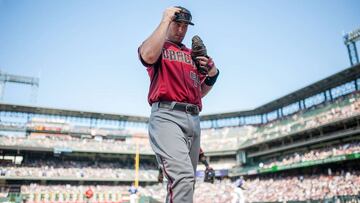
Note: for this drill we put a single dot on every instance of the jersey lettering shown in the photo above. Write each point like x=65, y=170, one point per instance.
x=177, y=56
x=172, y=55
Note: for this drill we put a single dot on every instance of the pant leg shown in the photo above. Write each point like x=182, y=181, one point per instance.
x=195, y=141
x=173, y=144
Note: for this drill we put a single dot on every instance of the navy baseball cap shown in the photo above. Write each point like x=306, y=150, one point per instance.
x=183, y=16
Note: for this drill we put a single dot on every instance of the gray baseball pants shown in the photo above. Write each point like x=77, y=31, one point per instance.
x=175, y=139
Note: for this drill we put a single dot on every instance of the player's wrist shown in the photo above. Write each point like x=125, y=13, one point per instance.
x=166, y=21
x=213, y=72
x=210, y=80
x=206, y=164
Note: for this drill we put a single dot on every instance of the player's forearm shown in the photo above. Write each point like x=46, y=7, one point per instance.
x=151, y=48
x=206, y=164
x=205, y=89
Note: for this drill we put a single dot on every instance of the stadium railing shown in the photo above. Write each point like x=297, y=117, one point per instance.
x=257, y=169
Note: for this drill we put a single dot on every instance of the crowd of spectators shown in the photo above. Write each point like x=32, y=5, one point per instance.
x=229, y=138
x=280, y=189
x=71, y=193
x=258, y=189
x=56, y=125
x=315, y=154
x=51, y=168
x=315, y=187
x=341, y=108
x=77, y=144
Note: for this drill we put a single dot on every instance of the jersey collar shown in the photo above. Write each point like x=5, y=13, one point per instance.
x=180, y=46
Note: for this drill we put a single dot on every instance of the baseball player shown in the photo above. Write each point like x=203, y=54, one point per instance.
x=133, y=196
x=239, y=187
x=176, y=89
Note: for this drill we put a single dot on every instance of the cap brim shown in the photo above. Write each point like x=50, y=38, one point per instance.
x=184, y=21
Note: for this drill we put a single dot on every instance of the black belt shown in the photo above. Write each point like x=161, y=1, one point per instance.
x=187, y=108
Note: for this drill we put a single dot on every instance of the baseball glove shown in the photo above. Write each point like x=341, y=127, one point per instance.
x=209, y=175
x=198, y=49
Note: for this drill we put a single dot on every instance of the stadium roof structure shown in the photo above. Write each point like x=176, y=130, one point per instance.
x=332, y=81
x=71, y=113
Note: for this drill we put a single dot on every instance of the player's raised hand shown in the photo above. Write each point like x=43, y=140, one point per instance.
x=169, y=14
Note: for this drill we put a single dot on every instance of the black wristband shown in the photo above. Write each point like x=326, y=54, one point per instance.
x=210, y=81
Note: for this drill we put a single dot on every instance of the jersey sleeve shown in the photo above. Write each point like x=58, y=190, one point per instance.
x=144, y=63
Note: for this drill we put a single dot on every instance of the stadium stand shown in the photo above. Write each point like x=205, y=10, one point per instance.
x=302, y=147
x=340, y=186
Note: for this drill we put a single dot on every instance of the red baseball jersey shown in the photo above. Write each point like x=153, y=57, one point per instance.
x=174, y=77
